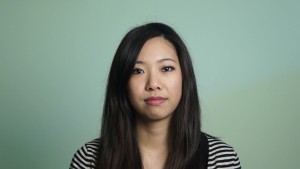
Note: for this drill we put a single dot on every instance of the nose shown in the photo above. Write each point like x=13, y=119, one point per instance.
x=153, y=82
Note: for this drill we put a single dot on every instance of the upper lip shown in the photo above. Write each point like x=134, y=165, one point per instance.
x=155, y=98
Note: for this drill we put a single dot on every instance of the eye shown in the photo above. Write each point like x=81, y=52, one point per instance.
x=137, y=71
x=167, y=68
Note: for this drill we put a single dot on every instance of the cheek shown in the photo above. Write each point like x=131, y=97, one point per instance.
x=130, y=90
x=176, y=85
x=178, y=82
x=133, y=89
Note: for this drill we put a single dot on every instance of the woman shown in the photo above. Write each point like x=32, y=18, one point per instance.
x=151, y=116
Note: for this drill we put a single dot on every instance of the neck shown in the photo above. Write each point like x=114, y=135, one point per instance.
x=153, y=142
x=153, y=136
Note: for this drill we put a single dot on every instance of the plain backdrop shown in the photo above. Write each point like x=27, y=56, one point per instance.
x=55, y=57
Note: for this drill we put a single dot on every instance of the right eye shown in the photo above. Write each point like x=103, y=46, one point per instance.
x=137, y=71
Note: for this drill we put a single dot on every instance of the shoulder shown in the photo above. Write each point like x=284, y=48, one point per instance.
x=221, y=155
x=85, y=157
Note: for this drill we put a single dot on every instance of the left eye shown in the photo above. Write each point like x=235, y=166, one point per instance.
x=167, y=68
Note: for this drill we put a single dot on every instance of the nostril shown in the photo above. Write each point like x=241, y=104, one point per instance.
x=151, y=88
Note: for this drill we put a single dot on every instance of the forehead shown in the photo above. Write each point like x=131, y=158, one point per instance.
x=156, y=49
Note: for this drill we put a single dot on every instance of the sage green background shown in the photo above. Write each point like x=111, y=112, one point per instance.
x=55, y=56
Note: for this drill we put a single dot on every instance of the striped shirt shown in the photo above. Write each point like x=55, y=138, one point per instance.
x=220, y=155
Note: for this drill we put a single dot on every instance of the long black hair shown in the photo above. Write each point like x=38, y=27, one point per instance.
x=118, y=148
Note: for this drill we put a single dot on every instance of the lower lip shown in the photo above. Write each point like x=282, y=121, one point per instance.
x=155, y=102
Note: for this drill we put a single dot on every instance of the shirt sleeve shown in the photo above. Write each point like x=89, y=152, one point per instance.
x=85, y=157
x=222, y=155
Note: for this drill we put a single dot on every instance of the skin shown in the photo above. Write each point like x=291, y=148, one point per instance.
x=154, y=90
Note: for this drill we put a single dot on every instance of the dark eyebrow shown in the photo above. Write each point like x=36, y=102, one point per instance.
x=161, y=60
x=139, y=62
x=167, y=59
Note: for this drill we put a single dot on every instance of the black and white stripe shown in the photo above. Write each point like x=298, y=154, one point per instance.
x=220, y=156
x=85, y=157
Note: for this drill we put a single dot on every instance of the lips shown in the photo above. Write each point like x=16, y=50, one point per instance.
x=155, y=101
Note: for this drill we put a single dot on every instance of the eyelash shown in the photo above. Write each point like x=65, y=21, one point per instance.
x=168, y=68
x=164, y=69
x=137, y=71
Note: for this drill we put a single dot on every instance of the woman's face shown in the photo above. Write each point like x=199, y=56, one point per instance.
x=155, y=86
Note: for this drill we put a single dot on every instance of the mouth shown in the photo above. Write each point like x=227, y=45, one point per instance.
x=155, y=101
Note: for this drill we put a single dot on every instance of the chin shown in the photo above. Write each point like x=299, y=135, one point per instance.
x=157, y=117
